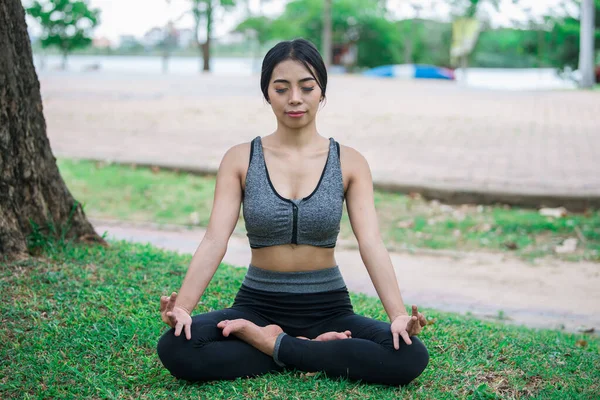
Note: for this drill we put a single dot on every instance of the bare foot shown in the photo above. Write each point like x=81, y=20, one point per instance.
x=327, y=336
x=261, y=338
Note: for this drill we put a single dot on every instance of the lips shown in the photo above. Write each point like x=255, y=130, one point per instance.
x=296, y=114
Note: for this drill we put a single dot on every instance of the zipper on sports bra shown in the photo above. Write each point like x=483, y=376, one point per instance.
x=295, y=224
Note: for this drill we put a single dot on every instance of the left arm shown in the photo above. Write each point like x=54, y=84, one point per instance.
x=363, y=218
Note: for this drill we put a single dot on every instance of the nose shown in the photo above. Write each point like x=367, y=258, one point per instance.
x=295, y=96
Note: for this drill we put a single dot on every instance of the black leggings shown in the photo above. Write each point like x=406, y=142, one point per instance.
x=368, y=356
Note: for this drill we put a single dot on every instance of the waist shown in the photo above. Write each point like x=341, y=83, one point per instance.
x=316, y=281
x=293, y=258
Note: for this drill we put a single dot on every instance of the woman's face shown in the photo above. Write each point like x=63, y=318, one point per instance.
x=294, y=94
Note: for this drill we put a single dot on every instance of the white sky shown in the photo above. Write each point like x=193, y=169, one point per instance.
x=136, y=17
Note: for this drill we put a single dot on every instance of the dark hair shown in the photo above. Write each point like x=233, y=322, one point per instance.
x=298, y=50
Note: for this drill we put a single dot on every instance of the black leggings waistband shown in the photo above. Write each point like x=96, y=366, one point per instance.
x=322, y=280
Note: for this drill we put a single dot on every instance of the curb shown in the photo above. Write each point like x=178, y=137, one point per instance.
x=447, y=195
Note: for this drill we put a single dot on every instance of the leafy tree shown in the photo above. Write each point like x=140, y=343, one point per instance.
x=66, y=24
x=362, y=22
x=260, y=26
x=429, y=41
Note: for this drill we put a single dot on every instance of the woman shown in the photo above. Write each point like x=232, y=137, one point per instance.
x=293, y=308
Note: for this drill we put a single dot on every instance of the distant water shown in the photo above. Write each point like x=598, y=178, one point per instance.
x=513, y=79
x=146, y=65
x=484, y=78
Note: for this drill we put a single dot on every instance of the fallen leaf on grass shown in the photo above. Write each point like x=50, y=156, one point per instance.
x=511, y=245
x=581, y=343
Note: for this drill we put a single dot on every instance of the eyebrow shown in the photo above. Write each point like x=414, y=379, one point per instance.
x=301, y=80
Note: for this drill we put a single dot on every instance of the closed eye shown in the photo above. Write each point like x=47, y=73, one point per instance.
x=304, y=89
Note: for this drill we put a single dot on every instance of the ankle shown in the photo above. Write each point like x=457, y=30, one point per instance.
x=276, y=346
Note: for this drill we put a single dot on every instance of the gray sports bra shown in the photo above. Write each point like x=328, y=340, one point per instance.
x=273, y=220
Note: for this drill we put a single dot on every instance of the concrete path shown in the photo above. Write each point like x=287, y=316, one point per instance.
x=549, y=295
x=447, y=141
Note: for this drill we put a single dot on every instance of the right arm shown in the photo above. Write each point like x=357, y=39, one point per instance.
x=223, y=218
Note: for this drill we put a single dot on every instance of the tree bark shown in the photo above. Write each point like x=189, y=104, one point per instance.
x=31, y=188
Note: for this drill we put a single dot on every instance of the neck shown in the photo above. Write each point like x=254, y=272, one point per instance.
x=302, y=137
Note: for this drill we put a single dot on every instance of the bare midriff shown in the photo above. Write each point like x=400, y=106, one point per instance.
x=293, y=258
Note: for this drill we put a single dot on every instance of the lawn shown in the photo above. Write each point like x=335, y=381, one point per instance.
x=83, y=322
x=407, y=223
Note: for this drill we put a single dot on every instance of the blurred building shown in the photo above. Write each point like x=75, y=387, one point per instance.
x=101, y=43
x=153, y=38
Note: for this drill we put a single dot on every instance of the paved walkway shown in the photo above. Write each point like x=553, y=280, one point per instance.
x=447, y=141
x=550, y=295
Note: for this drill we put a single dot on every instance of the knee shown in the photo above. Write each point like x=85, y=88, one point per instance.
x=167, y=349
x=170, y=352
x=411, y=362
x=421, y=356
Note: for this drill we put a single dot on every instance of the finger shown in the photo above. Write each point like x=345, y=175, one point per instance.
x=228, y=327
x=410, y=326
x=188, y=331
x=348, y=333
x=171, y=302
x=172, y=317
x=163, y=303
x=396, y=340
x=222, y=324
x=422, y=320
x=406, y=338
x=415, y=311
x=178, y=328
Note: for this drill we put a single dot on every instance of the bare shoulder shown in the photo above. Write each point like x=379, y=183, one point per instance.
x=237, y=157
x=353, y=162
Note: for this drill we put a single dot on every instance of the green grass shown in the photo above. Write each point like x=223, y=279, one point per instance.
x=82, y=322
x=407, y=222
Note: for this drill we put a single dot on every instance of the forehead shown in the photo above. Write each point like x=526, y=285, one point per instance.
x=290, y=70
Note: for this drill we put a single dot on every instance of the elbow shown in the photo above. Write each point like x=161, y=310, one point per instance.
x=370, y=244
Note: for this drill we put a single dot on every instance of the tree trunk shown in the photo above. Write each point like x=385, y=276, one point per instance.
x=31, y=188
x=408, y=43
x=65, y=55
x=586, y=52
x=327, y=34
x=206, y=45
x=197, y=21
